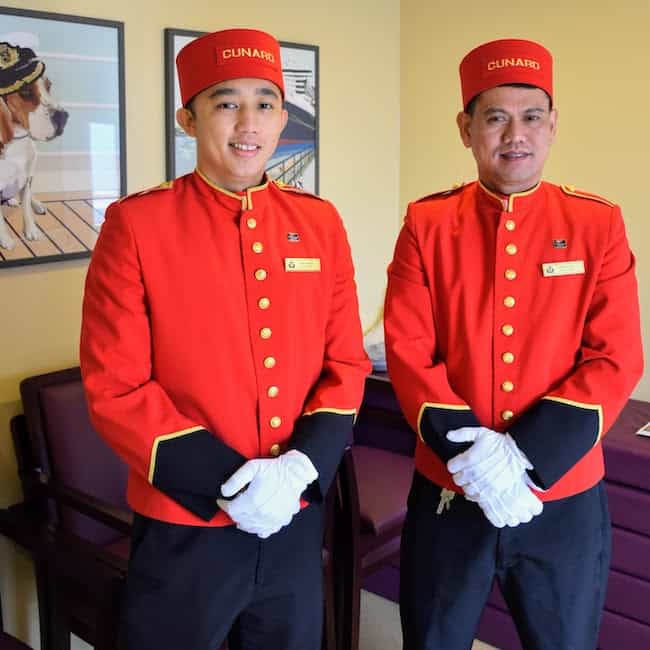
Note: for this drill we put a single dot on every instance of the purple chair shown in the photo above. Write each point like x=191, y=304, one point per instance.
x=375, y=481
x=76, y=485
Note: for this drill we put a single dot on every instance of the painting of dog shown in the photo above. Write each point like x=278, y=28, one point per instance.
x=28, y=114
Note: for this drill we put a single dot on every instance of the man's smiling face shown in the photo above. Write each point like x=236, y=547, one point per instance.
x=237, y=124
x=510, y=131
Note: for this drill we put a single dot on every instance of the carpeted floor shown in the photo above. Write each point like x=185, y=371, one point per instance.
x=380, y=628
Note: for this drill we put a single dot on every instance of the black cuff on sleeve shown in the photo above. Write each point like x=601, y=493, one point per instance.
x=191, y=467
x=437, y=421
x=198, y=504
x=555, y=436
x=322, y=436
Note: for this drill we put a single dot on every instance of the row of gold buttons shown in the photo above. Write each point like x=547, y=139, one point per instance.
x=507, y=329
x=265, y=333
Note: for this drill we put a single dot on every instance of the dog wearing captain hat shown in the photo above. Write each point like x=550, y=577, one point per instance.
x=28, y=113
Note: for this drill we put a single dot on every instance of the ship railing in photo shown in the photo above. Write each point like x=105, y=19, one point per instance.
x=291, y=167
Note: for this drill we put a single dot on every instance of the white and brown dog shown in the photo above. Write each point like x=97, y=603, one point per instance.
x=27, y=114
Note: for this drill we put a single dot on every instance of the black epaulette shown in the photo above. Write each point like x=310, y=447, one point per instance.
x=572, y=191
x=167, y=185
x=296, y=190
x=439, y=195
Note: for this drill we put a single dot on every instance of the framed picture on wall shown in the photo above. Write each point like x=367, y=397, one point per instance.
x=295, y=160
x=62, y=145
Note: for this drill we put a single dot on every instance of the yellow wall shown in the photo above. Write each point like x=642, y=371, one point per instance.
x=602, y=57
x=359, y=172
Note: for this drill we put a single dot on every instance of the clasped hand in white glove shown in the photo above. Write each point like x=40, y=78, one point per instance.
x=271, y=492
x=492, y=472
x=515, y=505
x=493, y=462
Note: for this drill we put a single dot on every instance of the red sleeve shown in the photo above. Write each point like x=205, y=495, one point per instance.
x=325, y=427
x=129, y=408
x=565, y=424
x=418, y=375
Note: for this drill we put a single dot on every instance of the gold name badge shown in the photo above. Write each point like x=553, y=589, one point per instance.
x=555, y=269
x=301, y=264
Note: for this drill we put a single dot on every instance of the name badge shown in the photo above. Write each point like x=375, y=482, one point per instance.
x=555, y=269
x=301, y=264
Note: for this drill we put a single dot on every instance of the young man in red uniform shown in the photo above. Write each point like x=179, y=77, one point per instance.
x=222, y=357
x=513, y=341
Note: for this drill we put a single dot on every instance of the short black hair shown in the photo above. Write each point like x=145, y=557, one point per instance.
x=471, y=105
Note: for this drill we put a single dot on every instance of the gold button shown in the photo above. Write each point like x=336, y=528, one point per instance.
x=507, y=387
x=509, y=301
x=508, y=329
x=272, y=391
x=251, y=223
x=265, y=333
x=257, y=247
x=275, y=449
x=507, y=415
x=275, y=422
x=269, y=362
x=263, y=303
x=508, y=357
x=511, y=249
x=260, y=274
x=510, y=225
x=510, y=274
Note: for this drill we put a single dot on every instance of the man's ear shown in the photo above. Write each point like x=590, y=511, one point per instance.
x=463, y=120
x=6, y=124
x=186, y=121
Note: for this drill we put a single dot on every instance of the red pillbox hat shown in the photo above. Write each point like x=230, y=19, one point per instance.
x=228, y=54
x=506, y=61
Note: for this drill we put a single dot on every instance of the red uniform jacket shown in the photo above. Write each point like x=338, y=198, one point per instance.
x=520, y=314
x=219, y=327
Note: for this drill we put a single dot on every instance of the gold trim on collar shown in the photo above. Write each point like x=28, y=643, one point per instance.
x=508, y=201
x=246, y=198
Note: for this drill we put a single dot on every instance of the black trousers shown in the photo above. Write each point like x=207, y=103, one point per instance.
x=189, y=587
x=552, y=571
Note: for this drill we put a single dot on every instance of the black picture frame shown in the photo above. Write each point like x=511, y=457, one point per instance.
x=82, y=167
x=297, y=159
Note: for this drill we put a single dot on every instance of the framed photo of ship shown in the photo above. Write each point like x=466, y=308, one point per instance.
x=295, y=160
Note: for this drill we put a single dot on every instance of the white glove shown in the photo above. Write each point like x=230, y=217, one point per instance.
x=516, y=505
x=272, y=494
x=493, y=462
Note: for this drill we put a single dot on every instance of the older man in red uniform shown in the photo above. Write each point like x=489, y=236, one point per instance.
x=513, y=341
x=222, y=357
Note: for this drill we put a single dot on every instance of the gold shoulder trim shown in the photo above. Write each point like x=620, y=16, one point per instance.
x=295, y=190
x=167, y=185
x=572, y=191
x=438, y=195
